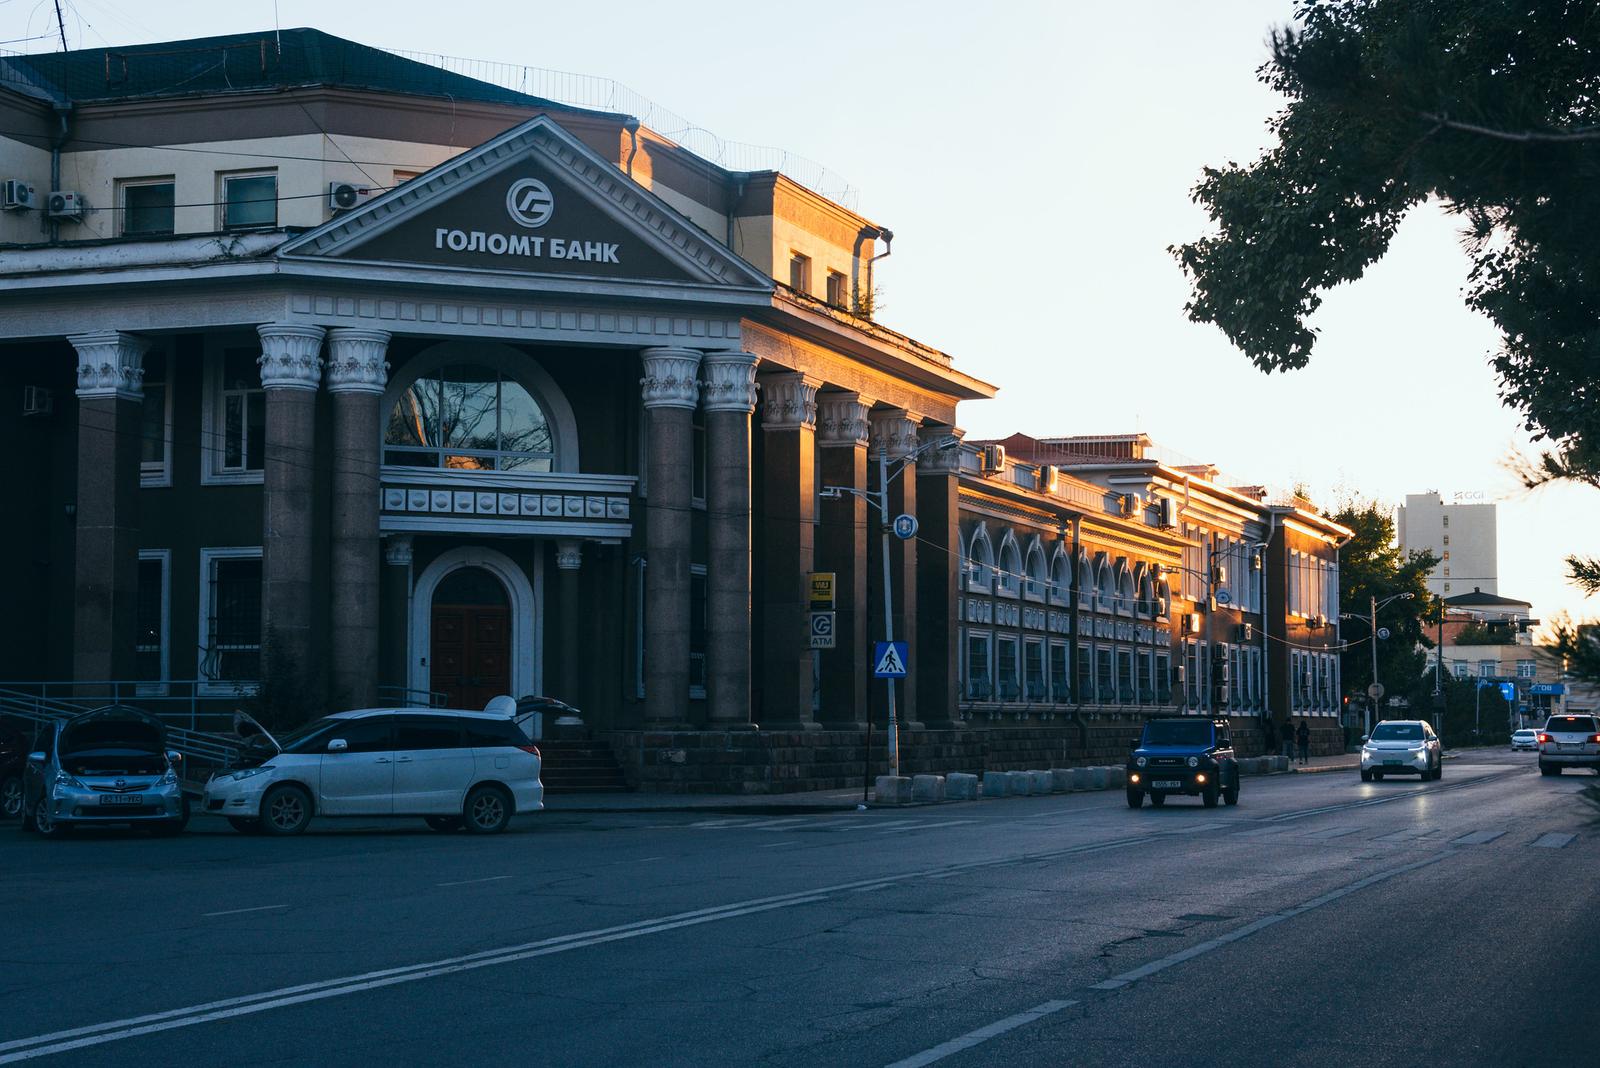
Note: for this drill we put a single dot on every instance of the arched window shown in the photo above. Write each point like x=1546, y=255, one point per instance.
x=1010, y=566
x=1060, y=577
x=465, y=416
x=1145, y=606
x=982, y=556
x=1105, y=598
x=1034, y=588
x=1086, y=583
x=1125, y=597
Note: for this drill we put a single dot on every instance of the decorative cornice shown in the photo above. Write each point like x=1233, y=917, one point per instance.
x=569, y=554
x=842, y=419
x=730, y=384
x=789, y=401
x=289, y=356
x=670, y=378
x=355, y=360
x=397, y=550
x=937, y=460
x=894, y=430
x=110, y=364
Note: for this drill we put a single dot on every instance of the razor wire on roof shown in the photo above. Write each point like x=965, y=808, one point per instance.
x=607, y=94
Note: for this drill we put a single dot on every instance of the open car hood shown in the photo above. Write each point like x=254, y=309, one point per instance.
x=113, y=727
x=255, y=736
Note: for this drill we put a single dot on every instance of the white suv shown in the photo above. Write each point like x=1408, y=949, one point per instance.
x=1569, y=742
x=455, y=769
x=1402, y=747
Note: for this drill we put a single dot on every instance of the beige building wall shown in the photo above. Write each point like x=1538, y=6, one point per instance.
x=31, y=165
x=1463, y=536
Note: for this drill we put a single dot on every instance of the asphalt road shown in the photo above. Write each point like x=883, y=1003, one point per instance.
x=1322, y=921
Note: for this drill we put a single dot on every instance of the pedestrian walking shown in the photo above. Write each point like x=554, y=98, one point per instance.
x=1303, y=736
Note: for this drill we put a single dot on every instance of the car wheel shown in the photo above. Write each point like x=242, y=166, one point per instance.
x=244, y=826
x=1377, y=775
x=487, y=810
x=285, y=810
x=443, y=824
x=1438, y=772
x=1366, y=774
x=44, y=824
x=1230, y=796
x=1135, y=798
x=10, y=797
x=1157, y=800
x=1210, y=796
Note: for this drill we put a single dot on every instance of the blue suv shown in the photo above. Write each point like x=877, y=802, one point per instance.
x=1183, y=755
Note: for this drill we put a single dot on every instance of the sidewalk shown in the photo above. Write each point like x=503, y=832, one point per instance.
x=801, y=803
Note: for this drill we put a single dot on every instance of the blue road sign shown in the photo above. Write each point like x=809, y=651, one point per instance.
x=890, y=660
x=905, y=527
x=1551, y=689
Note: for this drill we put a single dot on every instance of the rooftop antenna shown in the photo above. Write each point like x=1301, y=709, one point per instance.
x=62, y=25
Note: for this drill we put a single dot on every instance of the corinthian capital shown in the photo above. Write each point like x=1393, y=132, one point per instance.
x=110, y=364
x=671, y=378
x=356, y=360
x=842, y=419
x=289, y=356
x=894, y=431
x=730, y=384
x=789, y=401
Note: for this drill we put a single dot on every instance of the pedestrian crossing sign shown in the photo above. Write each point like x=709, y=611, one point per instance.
x=889, y=660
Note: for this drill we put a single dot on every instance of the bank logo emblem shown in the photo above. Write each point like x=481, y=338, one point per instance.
x=530, y=202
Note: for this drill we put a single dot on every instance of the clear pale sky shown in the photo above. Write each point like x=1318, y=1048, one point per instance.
x=1034, y=161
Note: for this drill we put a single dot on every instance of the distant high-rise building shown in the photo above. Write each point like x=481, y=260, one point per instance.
x=1462, y=536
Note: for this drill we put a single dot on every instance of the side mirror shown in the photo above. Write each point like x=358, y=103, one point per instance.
x=174, y=757
x=338, y=745
x=36, y=758
x=1363, y=738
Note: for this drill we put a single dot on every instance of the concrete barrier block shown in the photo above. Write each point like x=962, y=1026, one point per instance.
x=892, y=790
x=1080, y=778
x=1061, y=780
x=1116, y=778
x=927, y=787
x=960, y=786
x=1042, y=782
x=1098, y=778
x=1280, y=763
x=1021, y=783
x=996, y=784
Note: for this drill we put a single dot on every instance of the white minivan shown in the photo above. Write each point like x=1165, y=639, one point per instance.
x=455, y=769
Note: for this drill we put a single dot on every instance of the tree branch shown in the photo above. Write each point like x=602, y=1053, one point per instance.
x=1582, y=133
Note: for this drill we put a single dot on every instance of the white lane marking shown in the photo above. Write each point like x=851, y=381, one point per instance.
x=235, y=912
x=116, y=1030
x=888, y=825
x=642, y=860
x=937, y=823
x=772, y=825
x=776, y=845
x=1554, y=840
x=982, y=1034
x=1331, y=832
x=1200, y=949
x=1409, y=834
x=1477, y=838
x=470, y=882
x=737, y=821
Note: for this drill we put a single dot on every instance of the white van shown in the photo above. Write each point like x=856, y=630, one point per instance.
x=455, y=769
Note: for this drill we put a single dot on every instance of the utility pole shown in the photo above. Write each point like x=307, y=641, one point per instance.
x=61, y=25
x=888, y=602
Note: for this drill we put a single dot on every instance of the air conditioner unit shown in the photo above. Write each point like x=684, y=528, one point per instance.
x=1048, y=477
x=1131, y=504
x=1244, y=632
x=1168, y=512
x=994, y=459
x=64, y=204
x=15, y=195
x=343, y=196
x=37, y=400
x=1316, y=622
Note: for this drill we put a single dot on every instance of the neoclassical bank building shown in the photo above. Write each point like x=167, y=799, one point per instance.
x=368, y=382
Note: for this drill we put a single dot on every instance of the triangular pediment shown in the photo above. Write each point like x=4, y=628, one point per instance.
x=534, y=200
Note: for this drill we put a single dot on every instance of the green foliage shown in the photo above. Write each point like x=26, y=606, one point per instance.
x=1479, y=634
x=1486, y=106
x=1579, y=649
x=1370, y=565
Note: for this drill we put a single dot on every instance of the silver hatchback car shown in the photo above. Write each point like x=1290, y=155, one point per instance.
x=107, y=766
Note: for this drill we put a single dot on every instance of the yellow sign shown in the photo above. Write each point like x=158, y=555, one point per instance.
x=821, y=585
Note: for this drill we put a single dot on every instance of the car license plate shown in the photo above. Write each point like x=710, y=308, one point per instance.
x=1568, y=747
x=1392, y=760
x=1168, y=784
x=121, y=799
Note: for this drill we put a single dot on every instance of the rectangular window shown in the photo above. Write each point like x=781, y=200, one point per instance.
x=249, y=201
x=1086, y=694
x=1147, y=677
x=147, y=207
x=697, y=630
x=1034, y=690
x=1005, y=656
x=1255, y=678
x=1236, y=677
x=838, y=291
x=235, y=417
x=1126, y=693
x=1163, y=678
x=230, y=619
x=799, y=272
x=980, y=682
x=152, y=625
x=1447, y=539
x=1294, y=681
x=1060, y=673
x=1105, y=675
x=155, y=434
x=1486, y=669
x=1525, y=669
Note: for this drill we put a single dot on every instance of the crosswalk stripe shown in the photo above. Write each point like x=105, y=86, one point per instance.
x=1410, y=834
x=1477, y=838
x=1554, y=840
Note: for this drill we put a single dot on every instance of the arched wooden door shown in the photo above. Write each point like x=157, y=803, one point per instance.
x=471, y=638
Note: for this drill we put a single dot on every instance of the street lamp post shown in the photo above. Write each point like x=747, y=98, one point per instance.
x=880, y=500
x=1372, y=624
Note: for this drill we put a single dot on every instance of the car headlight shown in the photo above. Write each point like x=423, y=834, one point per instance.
x=1139, y=762
x=1194, y=762
x=239, y=776
x=169, y=779
x=63, y=779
